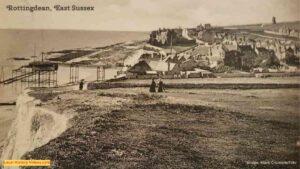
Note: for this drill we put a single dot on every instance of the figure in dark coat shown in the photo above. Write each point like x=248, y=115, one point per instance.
x=153, y=86
x=81, y=85
x=161, y=87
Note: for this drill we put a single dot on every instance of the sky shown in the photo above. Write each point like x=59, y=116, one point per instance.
x=146, y=15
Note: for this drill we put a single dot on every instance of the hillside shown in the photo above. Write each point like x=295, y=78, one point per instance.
x=180, y=129
x=268, y=26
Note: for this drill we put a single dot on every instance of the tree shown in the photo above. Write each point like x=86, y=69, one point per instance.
x=291, y=59
x=267, y=60
x=248, y=60
x=233, y=59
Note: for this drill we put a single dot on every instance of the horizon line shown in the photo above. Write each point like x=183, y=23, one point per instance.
x=114, y=30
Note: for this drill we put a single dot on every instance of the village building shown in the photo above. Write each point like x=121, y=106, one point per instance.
x=262, y=51
x=280, y=52
x=272, y=46
x=188, y=65
x=230, y=47
x=141, y=70
x=197, y=73
x=162, y=37
x=244, y=49
x=161, y=67
x=172, y=59
x=150, y=56
x=185, y=34
x=200, y=52
x=216, y=55
x=207, y=26
x=285, y=31
x=294, y=33
x=169, y=51
x=200, y=27
x=230, y=43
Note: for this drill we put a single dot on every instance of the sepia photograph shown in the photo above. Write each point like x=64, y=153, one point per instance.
x=149, y=84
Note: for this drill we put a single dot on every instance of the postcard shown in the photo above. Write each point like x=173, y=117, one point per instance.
x=92, y=84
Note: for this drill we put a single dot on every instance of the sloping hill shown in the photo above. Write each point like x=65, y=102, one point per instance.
x=268, y=26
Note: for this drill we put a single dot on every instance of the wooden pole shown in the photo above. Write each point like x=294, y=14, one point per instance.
x=77, y=74
x=171, y=43
x=98, y=73
x=55, y=78
x=103, y=73
x=49, y=78
x=39, y=78
x=70, y=73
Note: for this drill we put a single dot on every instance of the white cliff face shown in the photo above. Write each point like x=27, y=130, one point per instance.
x=33, y=127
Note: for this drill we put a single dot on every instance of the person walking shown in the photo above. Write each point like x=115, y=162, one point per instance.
x=161, y=87
x=153, y=87
x=81, y=84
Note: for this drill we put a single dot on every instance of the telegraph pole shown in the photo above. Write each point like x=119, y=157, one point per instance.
x=42, y=56
x=171, y=41
x=171, y=51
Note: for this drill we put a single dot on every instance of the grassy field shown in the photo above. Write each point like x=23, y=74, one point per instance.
x=179, y=129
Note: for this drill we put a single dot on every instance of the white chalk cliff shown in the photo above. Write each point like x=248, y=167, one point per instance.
x=33, y=127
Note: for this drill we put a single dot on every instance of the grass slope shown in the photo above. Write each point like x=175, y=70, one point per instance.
x=116, y=130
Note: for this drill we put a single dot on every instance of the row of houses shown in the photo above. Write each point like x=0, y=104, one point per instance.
x=236, y=50
x=206, y=55
x=190, y=63
x=285, y=31
x=231, y=40
x=154, y=69
x=281, y=47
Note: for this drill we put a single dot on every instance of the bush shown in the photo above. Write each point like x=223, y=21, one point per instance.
x=223, y=69
x=292, y=60
x=147, y=96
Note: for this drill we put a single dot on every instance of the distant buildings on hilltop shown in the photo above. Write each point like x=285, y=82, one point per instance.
x=285, y=31
x=167, y=37
x=215, y=49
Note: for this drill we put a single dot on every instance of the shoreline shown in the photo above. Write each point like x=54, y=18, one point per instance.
x=8, y=96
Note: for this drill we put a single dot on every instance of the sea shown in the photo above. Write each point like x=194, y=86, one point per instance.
x=26, y=43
